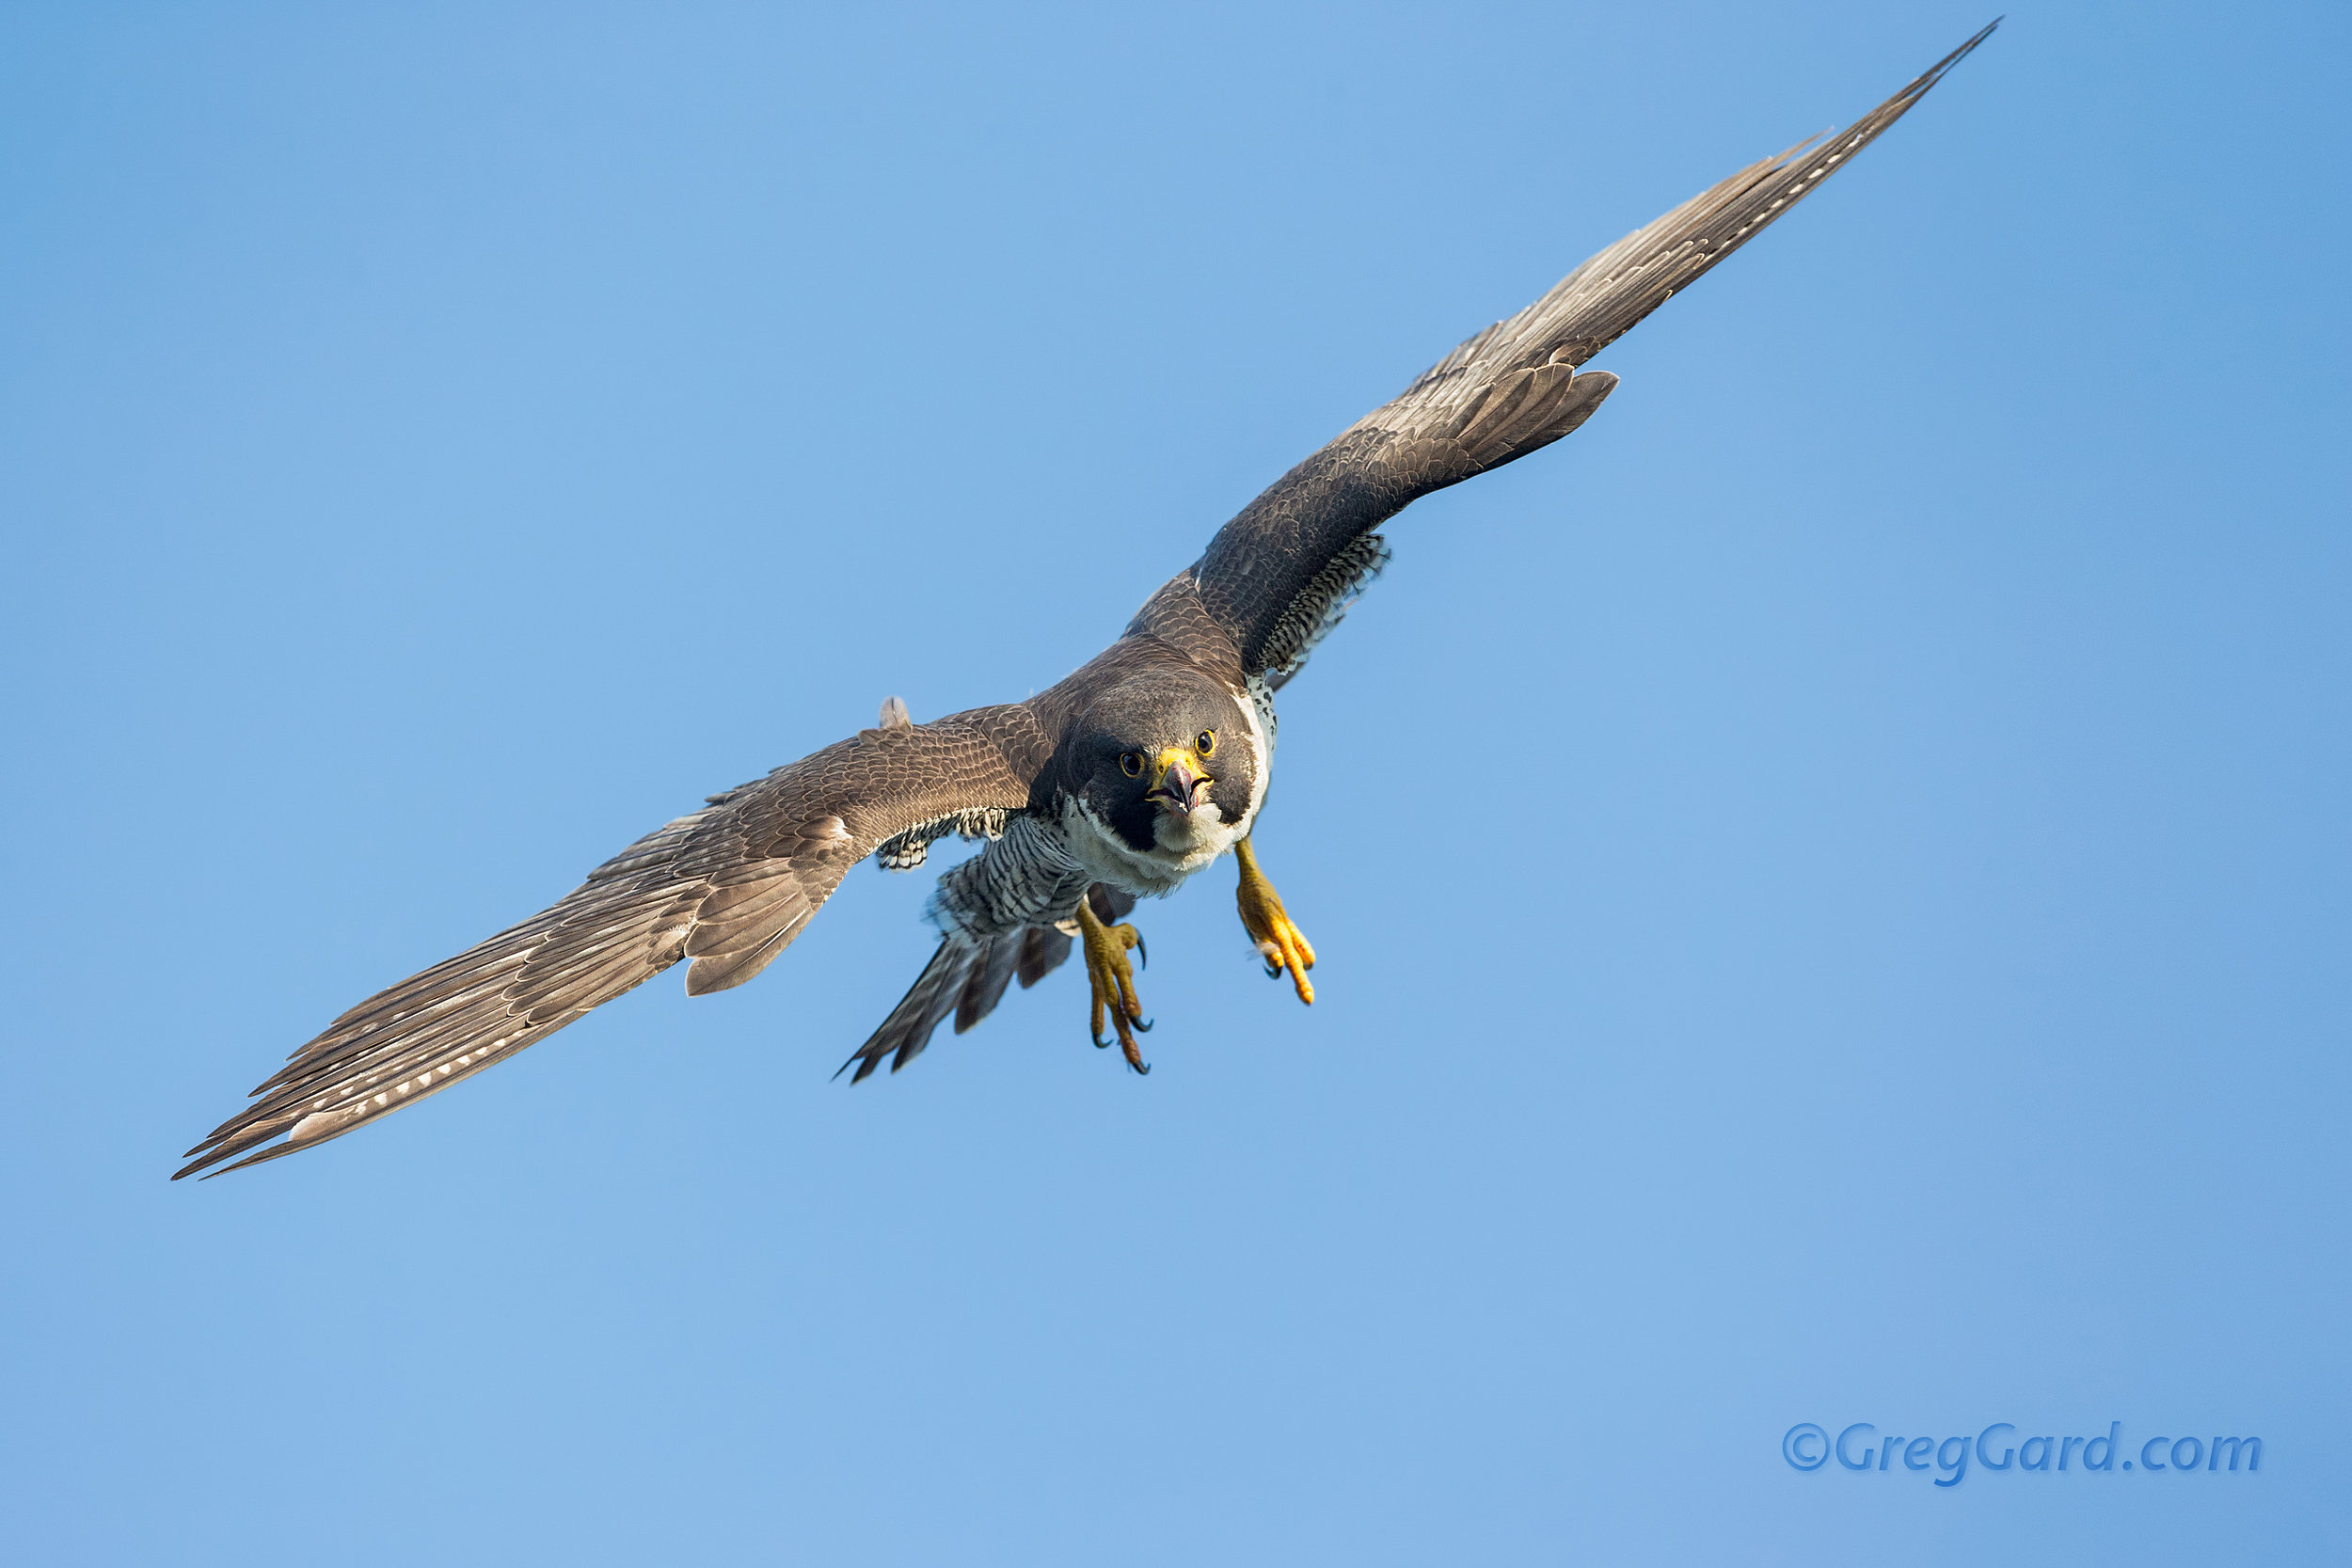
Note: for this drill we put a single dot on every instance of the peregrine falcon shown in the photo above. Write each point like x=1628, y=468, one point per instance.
x=1132, y=774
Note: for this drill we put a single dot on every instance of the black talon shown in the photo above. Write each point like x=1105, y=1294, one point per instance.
x=1142, y=952
x=1141, y=1025
x=1143, y=1069
x=1101, y=1044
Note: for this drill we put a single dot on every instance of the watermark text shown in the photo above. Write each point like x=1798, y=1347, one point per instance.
x=1862, y=1447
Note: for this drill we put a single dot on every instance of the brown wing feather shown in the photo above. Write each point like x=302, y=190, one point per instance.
x=727, y=888
x=1508, y=390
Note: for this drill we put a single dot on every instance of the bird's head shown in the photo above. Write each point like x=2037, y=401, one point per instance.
x=1161, y=759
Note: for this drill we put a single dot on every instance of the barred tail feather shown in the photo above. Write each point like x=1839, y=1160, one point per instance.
x=968, y=977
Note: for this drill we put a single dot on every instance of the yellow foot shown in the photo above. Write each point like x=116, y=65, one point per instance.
x=1281, y=944
x=1114, y=981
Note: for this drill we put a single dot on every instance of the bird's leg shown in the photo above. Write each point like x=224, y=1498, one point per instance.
x=1114, y=981
x=1281, y=944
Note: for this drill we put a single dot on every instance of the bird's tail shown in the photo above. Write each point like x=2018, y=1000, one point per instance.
x=967, y=977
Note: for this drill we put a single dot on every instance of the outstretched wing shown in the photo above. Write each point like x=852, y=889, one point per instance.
x=1275, y=578
x=727, y=887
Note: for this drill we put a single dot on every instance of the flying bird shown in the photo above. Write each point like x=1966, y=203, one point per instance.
x=1130, y=776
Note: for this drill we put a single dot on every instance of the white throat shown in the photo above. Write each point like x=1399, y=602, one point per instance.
x=1183, y=846
x=1180, y=844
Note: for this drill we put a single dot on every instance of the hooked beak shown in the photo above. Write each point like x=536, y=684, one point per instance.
x=1176, y=785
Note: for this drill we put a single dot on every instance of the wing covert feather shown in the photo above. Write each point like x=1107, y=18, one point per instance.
x=1502, y=393
x=726, y=888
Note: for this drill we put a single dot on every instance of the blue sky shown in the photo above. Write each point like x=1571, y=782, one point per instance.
x=1861, y=938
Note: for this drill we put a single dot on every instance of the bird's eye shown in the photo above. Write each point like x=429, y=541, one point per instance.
x=1130, y=764
x=1204, y=742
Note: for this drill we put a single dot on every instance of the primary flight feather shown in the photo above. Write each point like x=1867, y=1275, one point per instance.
x=1123, y=780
